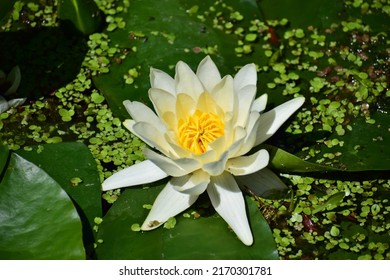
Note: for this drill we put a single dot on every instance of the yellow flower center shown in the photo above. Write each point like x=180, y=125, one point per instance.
x=199, y=130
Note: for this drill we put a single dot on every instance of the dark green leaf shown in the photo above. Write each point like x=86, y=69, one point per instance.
x=4, y=152
x=286, y=162
x=83, y=14
x=207, y=237
x=5, y=7
x=302, y=13
x=366, y=146
x=73, y=167
x=37, y=218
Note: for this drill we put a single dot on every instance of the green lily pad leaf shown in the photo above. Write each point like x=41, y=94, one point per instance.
x=83, y=14
x=206, y=237
x=4, y=152
x=37, y=218
x=286, y=162
x=74, y=168
x=366, y=146
x=6, y=7
x=182, y=36
x=302, y=13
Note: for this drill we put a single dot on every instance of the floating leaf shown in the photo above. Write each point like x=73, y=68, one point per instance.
x=37, y=218
x=4, y=152
x=73, y=167
x=206, y=237
x=83, y=14
x=286, y=162
x=6, y=7
x=302, y=13
x=289, y=163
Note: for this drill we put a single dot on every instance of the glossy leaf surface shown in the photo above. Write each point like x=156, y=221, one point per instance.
x=73, y=167
x=37, y=218
x=207, y=237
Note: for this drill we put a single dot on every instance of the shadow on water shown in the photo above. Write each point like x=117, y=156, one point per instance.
x=48, y=58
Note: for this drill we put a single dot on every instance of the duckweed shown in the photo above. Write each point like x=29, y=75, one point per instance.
x=326, y=218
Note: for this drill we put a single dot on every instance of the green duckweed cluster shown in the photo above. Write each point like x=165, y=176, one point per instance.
x=75, y=112
x=332, y=219
x=346, y=79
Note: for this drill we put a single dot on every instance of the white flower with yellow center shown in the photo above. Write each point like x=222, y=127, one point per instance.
x=203, y=127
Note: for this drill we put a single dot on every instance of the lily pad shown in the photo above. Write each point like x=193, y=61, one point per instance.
x=81, y=181
x=37, y=218
x=206, y=237
x=4, y=152
x=302, y=13
x=363, y=146
x=286, y=162
x=5, y=7
x=84, y=15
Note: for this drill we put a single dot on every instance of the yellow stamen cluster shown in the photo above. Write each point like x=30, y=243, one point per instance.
x=199, y=130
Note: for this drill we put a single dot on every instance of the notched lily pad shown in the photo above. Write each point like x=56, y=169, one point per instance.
x=37, y=218
x=62, y=161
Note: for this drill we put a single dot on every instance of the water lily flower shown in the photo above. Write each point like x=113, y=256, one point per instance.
x=204, y=127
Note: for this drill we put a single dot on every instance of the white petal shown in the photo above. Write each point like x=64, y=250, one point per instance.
x=3, y=105
x=272, y=120
x=218, y=147
x=173, y=167
x=250, y=135
x=16, y=102
x=168, y=204
x=208, y=73
x=228, y=201
x=161, y=80
x=260, y=103
x=223, y=94
x=163, y=104
x=186, y=81
x=248, y=164
x=247, y=75
x=217, y=167
x=137, y=174
x=185, y=105
x=263, y=183
x=245, y=99
x=239, y=138
x=208, y=156
x=177, y=150
x=193, y=184
x=142, y=113
x=162, y=100
x=149, y=134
